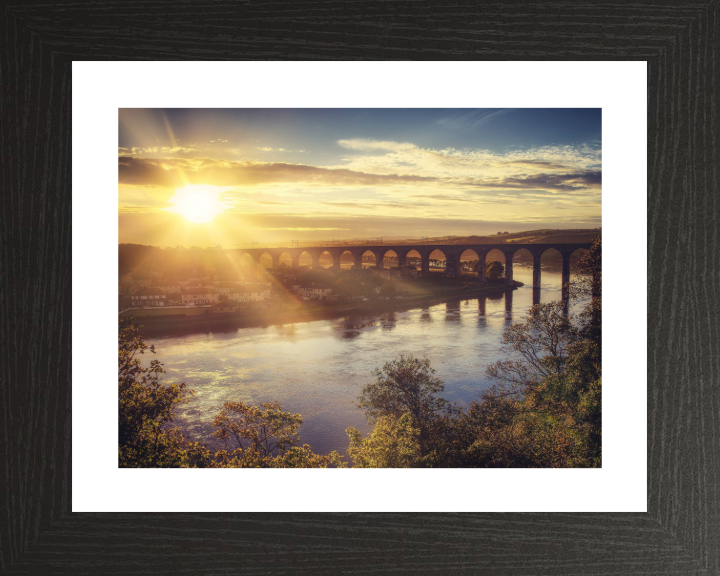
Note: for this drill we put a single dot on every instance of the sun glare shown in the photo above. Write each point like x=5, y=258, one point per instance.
x=198, y=203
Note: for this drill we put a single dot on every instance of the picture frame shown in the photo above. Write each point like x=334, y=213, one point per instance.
x=40, y=534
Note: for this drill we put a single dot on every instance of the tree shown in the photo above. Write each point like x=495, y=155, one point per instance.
x=264, y=437
x=145, y=410
x=406, y=386
x=350, y=287
x=494, y=270
x=502, y=431
x=547, y=409
x=538, y=346
x=588, y=284
x=393, y=443
x=315, y=277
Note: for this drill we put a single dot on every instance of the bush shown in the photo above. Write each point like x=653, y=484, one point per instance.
x=494, y=270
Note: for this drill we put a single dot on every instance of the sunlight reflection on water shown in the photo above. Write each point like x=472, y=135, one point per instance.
x=318, y=368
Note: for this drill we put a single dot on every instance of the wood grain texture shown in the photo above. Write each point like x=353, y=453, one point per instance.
x=681, y=531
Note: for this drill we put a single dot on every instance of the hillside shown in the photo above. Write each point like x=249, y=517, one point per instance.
x=573, y=235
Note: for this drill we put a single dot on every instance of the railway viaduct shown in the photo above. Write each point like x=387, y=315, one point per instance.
x=452, y=253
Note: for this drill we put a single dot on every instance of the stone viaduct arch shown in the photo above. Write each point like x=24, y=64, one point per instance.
x=452, y=256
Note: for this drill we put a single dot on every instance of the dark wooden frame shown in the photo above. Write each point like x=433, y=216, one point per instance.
x=681, y=530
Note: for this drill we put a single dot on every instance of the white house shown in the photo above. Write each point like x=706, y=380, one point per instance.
x=227, y=287
x=200, y=295
x=168, y=286
x=250, y=293
x=148, y=296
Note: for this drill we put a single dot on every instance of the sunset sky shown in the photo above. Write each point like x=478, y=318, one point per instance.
x=205, y=177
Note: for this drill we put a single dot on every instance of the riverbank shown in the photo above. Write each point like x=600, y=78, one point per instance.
x=308, y=312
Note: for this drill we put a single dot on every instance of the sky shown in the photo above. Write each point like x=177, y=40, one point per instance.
x=230, y=177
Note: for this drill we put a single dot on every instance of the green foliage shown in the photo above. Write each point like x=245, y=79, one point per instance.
x=350, y=287
x=393, y=443
x=264, y=437
x=409, y=386
x=145, y=411
x=494, y=270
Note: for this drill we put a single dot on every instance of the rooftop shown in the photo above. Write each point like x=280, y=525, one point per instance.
x=148, y=291
x=200, y=290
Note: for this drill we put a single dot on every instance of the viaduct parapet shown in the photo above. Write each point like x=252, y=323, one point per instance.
x=452, y=253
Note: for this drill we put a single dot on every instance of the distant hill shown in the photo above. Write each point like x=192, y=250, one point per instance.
x=554, y=236
x=571, y=235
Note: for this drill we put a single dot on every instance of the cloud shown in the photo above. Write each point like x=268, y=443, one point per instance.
x=394, y=157
x=442, y=197
x=268, y=149
x=176, y=172
x=567, y=182
x=135, y=151
x=363, y=144
x=383, y=182
x=544, y=164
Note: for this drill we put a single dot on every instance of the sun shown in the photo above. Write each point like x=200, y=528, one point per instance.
x=198, y=203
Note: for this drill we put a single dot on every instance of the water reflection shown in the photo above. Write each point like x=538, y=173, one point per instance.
x=318, y=368
x=287, y=329
x=426, y=316
x=356, y=323
x=452, y=311
x=536, y=296
x=388, y=323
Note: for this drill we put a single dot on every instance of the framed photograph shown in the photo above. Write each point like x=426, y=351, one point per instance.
x=281, y=338
x=467, y=347
x=647, y=506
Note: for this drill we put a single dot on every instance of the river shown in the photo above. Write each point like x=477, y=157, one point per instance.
x=319, y=368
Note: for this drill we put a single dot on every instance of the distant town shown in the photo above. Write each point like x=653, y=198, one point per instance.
x=256, y=287
x=177, y=282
